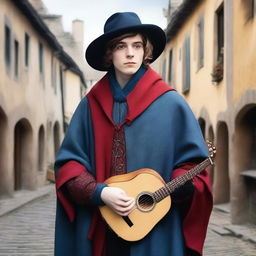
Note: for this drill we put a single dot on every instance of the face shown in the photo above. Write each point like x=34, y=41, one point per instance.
x=127, y=56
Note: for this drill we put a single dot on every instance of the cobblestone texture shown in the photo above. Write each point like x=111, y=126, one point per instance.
x=223, y=238
x=30, y=231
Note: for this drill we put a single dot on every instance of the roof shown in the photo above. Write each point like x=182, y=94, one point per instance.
x=180, y=16
x=36, y=21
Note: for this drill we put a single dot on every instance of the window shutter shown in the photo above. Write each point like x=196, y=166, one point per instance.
x=187, y=64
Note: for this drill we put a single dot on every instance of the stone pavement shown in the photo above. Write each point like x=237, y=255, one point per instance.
x=29, y=230
x=23, y=197
x=224, y=238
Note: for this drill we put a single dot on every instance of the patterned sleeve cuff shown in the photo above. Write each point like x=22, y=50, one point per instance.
x=96, y=197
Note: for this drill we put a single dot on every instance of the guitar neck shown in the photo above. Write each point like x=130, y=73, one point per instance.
x=165, y=191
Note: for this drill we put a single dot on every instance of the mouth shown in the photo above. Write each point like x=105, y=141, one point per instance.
x=130, y=63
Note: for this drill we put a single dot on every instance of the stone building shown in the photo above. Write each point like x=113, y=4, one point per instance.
x=73, y=45
x=210, y=59
x=34, y=72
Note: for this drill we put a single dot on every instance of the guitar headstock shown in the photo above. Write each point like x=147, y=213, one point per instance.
x=211, y=148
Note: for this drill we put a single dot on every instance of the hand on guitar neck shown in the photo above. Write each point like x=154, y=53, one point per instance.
x=117, y=200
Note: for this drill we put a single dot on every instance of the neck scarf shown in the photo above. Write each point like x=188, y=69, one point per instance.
x=120, y=94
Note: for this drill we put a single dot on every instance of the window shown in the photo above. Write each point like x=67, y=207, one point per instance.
x=7, y=46
x=54, y=71
x=218, y=68
x=249, y=6
x=220, y=32
x=170, y=73
x=164, y=69
x=200, y=43
x=27, y=41
x=254, y=8
x=81, y=91
x=16, y=58
x=186, y=65
x=41, y=58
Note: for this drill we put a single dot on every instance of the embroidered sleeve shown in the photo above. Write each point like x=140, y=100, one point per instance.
x=81, y=188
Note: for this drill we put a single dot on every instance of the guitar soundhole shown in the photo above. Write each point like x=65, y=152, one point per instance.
x=145, y=202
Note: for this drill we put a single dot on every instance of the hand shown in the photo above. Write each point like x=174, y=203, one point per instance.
x=117, y=200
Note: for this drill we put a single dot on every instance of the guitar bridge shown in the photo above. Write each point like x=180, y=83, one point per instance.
x=128, y=221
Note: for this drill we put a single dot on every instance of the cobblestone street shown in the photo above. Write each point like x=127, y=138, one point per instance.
x=217, y=245
x=30, y=231
x=223, y=243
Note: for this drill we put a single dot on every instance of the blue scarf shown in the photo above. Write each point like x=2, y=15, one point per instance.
x=120, y=94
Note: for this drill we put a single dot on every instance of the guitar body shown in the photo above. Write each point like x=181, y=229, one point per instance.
x=152, y=197
x=142, y=219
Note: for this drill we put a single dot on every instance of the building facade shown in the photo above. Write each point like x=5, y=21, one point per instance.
x=73, y=44
x=210, y=59
x=34, y=70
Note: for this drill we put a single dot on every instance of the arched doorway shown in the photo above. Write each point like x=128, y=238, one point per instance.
x=201, y=122
x=211, y=168
x=245, y=165
x=221, y=184
x=56, y=138
x=22, y=155
x=41, y=148
x=3, y=154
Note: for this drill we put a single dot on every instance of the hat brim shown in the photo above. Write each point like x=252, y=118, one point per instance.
x=96, y=50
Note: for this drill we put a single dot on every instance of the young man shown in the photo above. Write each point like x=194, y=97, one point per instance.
x=129, y=120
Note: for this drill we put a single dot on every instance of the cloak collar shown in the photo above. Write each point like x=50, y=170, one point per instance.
x=149, y=88
x=120, y=94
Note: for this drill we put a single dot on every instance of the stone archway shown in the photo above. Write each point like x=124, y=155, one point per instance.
x=201, y=122
x=41, y=148
x=221, y=184
x=245, y=166
x=22, y=155
x=56, y=138
x=211, y=168
x=3, y=154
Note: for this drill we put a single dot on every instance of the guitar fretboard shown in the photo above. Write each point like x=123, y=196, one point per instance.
x=165, y=191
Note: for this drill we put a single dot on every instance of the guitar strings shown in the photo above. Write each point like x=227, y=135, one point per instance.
x=162, y=192
x=175, y=184
x=165, y=191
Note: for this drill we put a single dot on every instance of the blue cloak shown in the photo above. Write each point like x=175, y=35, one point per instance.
x=159, y=135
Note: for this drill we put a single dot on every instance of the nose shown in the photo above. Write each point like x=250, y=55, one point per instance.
x=129, y=52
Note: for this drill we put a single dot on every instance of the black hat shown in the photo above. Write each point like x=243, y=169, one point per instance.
x=118, y=24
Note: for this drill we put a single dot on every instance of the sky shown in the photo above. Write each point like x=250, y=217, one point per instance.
x=94, y=13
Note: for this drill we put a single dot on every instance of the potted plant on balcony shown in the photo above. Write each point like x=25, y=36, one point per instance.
x=217, y=72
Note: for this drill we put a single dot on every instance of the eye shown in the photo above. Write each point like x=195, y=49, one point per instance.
x=138, y=46
x=120, y=46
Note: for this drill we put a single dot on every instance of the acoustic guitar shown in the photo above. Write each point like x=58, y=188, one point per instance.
x=152, y=196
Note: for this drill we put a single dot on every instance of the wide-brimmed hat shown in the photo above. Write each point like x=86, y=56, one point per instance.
x=118, y=24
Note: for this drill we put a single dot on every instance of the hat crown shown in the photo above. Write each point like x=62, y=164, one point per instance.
x=121, y=20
